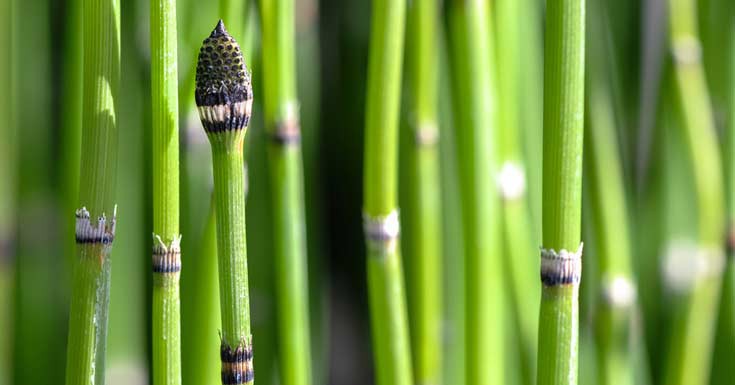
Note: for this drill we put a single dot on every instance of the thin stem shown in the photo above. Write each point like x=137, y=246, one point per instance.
x=389, y=322
x=520, y=262
x=201, y=311
x=424, y=206
x=689, y=356
x=617, y=289
x=224, y=97
x=166, y=248
x=475, y=117
x=562, y=195
x=91, y=281
x=286, y=177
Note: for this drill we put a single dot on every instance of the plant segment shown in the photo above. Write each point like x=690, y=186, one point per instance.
x=424, y=195
x=166, y=243
x=224, y=98
x=617, y=290
x=692, y=333
x=94, y=231
x=473, y=81
x=380, y=212
x=561, y=253
x=287, y=188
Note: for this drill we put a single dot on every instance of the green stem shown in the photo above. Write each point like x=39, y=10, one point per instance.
x=689, y=355
x=562, y=195
x=391, y=344
x=475, y=117
x=201, y=314
x=287, y=189
x=424, y=189
x=91, y=281
x=166, y=248
x=607, y=196
x=520, y=262
x=235, y=13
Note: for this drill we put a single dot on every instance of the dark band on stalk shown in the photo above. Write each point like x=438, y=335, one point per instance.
x=286, y=132
x=561, y=268
x=237, y=364
x=166, y=259
x=102, y=232
x=224, y=94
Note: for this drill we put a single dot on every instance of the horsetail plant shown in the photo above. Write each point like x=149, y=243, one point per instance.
x=473, y=82
x=617, y=290
x=391, y=346
x=95, y=232
x=286, y=178
x=692, y=334
x=561, y=252
x=166, y=243
x=425, y=202
x=224, y=98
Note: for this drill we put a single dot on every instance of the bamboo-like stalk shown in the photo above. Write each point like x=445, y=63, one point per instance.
x=287, y=188
x=689, y=354
x=561, y=259
x=519, y=251
x=474, y=109
x=617, y=289
x=166, y=260
x=8, y=167
x=94, y=232
x=389, y=323
x=225, y=114
x=424, y=194
x=202, y=308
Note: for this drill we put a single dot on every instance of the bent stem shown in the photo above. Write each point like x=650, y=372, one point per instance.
x=561, y=263
x=94, y=237
x=389, y=326
x=166, y=243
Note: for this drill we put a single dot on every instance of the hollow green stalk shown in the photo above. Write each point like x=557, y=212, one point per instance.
x=166, y=244
x=475, y=121
x=561, y=263
x=94, y=232
x=391, y=346
x=519, y=251
x=287, y=188
x=224, y=98
x=689, y=354
x=616, y=287
x=8, y=167
x=201, y=312
x=424, y=194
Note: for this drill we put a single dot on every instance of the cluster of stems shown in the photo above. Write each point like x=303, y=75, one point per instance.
x=287, y=188
x=166, y=252
x=389, y=320
x=692, y=334
x=561, y=264
x=94, y=231
x=473, y=84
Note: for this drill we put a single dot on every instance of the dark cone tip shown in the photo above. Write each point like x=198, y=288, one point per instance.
x=219, y=30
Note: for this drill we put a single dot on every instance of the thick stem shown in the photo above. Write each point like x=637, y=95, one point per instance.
x=424, y=206
x=90, y=290
x=385, y=278
x=166, y=248
x=475, y=118
x=286, y=177
x=562, y=196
